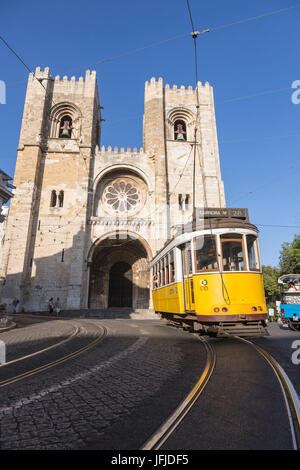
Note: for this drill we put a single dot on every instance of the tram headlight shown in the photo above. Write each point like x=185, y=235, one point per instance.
x=216, y=309
x=254, y=309
x=260, y=309
x=224, y=309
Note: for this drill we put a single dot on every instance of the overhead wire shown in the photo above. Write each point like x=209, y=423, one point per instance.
x=181, y=36
x=158, y=43
x=225, y=293
x=77, y=138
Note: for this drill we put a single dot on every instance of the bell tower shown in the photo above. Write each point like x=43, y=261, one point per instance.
x=44, y=248
x=183, y=158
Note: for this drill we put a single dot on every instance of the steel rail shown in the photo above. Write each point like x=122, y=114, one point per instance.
x=66, y=340
x=57, y=361
x=290, y=395
x=168, y=427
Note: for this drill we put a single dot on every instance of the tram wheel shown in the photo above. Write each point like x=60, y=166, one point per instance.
x=294, y=327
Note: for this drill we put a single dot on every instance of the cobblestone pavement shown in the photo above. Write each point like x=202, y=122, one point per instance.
x=31, y=338
x=133, y=379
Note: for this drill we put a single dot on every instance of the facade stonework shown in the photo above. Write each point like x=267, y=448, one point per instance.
x=86, y=220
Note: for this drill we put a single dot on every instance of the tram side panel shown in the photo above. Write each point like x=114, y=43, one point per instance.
x=168, y=299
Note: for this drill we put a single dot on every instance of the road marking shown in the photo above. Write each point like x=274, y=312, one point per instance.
x=2, y=352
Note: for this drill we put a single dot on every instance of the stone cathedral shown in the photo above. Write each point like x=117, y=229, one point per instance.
x=86, y=220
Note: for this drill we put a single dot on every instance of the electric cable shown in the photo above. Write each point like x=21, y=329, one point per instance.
x=225, y=293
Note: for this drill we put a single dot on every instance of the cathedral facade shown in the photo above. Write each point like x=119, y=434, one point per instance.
x=86, y=220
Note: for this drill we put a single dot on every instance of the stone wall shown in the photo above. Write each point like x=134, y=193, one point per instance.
x=51, y=246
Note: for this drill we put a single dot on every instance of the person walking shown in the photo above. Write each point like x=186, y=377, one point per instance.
x=57, y=306
x=102, y=300
x=15, y=304
x=51, y=305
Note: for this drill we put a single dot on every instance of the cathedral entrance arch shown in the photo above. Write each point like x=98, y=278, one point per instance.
x=120, y=285
x=120, y=270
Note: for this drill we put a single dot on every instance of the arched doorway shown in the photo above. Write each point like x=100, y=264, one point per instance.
x=120, y=285
x=119, y=268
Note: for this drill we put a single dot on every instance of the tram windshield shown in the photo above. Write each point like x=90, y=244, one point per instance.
x=232, y=252
x=252, y=248
x=206, y=254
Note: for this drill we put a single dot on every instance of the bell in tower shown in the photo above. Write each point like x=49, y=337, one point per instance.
x=180, y=133
x=65, y=127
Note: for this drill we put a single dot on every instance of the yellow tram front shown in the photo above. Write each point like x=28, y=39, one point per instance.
x=211, y=279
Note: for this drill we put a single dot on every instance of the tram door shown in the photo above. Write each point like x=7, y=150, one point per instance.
x=188, y=286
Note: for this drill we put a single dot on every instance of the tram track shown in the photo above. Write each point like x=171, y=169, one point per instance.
x=80, y=330
x=165, y=431
x=40, y=351
x=290, y=397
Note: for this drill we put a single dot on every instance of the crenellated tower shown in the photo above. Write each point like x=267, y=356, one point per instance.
x=170, y=121
x=60, y=130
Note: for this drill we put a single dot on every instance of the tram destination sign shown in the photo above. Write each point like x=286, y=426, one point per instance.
x=220, y=213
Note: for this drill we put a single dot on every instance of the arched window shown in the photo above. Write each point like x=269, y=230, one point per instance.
x=179, y=130
x=53, y=198
x=65, y=128
x=61, y=199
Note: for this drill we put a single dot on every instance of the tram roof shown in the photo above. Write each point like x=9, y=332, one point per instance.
x=289, y=278
x=207, y=225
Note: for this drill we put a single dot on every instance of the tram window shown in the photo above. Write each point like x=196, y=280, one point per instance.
x=155, y=277
x=252, y=252
x=231, y=236
x=205, y=254
x=189, y=258
x=232, y=253
x=166, y=270
x=172, y=267
x=162, y=272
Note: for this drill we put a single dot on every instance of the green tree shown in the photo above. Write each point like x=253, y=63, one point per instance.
x=272, y=289
x=289, y=260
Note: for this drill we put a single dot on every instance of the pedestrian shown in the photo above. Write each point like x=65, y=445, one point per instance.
x=15, y=304
x=51, y=305
x=57, y=306
x=102, y=300
x=291, y=286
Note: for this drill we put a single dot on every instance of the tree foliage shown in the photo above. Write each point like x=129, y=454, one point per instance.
x=289, y=259
x=272, y=289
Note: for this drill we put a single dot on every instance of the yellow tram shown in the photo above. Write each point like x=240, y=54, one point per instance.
x=210, y=280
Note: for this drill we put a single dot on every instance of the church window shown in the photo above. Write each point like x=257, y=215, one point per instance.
x=179, y=130
x=187, y=202
x=65, y=128
x=61, y=199
x=122, y=196
x=53, y=198
x=180, y=202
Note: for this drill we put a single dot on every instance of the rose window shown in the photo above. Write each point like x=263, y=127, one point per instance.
x=122, y=196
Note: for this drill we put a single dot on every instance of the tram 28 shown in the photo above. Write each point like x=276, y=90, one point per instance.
x=210, y=280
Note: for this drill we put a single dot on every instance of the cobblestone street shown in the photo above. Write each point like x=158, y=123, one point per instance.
x=78, y=404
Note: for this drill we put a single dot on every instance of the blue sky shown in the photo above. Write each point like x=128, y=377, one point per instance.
x=259, y=136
